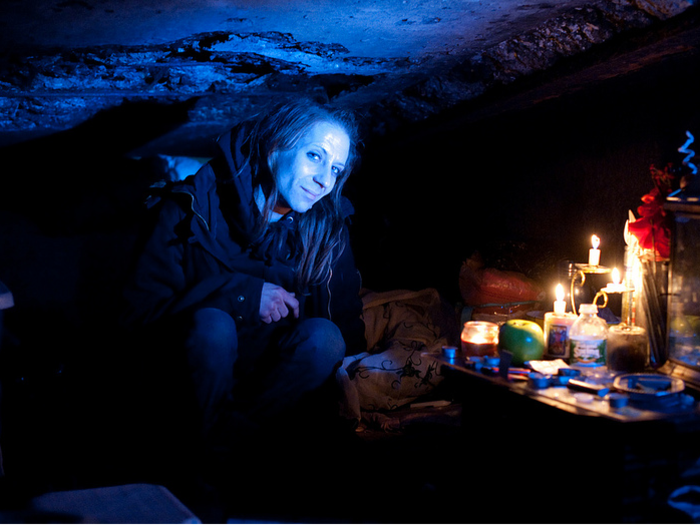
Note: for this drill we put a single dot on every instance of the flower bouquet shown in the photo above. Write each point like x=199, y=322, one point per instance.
x=648, y=252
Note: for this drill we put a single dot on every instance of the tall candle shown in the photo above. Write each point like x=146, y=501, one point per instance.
x=556, y=328
x=560, y=303
x=594, y=253
x=556, y=334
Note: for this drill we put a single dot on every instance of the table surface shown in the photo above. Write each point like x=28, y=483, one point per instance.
x=562, y=397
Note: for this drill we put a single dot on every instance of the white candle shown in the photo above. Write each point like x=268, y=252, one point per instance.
x=615, y=286
x=594, y=253
x=556, y=328
x=559, y=304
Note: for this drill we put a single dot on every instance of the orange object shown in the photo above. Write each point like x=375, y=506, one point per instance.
x=481, y=286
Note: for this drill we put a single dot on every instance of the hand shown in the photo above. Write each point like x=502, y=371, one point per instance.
x=276, y=302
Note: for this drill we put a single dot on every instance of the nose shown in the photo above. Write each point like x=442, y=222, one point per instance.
x=324, y=177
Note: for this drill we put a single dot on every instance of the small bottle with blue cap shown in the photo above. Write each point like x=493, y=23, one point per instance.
x=588, y=338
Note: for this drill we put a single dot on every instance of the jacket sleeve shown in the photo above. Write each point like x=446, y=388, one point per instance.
x=160, y=285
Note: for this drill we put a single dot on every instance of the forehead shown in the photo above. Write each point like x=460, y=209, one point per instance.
x=327, y=134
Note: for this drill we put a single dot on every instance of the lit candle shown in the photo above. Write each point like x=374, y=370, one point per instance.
x=616, y=276
x=615, y=286
x=556, y=328
x=594, y=253
x=560, y=303
x=479, y=338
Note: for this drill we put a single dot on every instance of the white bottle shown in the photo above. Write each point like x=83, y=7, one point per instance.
x=588, y=338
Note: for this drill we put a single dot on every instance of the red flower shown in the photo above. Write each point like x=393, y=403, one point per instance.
x=653, y=227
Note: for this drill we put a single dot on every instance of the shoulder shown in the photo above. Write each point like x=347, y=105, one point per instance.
x=194, y=187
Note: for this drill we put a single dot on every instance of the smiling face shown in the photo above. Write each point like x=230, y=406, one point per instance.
x=308, y=171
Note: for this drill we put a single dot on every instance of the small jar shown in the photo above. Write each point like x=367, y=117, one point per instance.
x=627, y=348
x=479, y=338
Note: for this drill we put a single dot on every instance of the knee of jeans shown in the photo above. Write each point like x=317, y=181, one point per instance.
x=212, y=340
x=325, y=344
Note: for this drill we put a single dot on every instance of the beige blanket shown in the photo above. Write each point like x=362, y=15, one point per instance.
x=400, y=327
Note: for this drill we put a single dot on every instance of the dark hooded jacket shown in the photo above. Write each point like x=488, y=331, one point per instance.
x=203, y=252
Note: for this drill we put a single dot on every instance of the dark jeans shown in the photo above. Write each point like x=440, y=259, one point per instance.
x=259, y=378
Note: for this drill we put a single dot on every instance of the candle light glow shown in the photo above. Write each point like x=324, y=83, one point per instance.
x=559, y=304
x=479, y=338
x=594, y=253
x=615, y=286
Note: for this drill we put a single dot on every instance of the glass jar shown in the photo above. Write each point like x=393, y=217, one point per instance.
x=627, y=348
x=480, y=338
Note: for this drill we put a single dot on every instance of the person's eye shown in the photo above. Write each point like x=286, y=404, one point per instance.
x=337, y=171
x=314, y=156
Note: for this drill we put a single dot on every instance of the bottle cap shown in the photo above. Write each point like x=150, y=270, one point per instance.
x=587, y=308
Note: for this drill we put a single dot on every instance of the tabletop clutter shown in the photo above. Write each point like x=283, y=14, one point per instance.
x=577, y=349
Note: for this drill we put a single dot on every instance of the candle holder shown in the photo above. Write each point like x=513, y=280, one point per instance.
x=614, y=288
x=604, y=295
x=581, y=270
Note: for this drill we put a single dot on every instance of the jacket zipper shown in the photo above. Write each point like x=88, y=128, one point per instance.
x=192, y=207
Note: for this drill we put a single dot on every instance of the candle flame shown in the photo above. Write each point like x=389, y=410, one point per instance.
x=559, y=291
x=595, y=241
x=616, y=276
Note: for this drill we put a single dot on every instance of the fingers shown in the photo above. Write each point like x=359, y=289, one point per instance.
x=276, y=303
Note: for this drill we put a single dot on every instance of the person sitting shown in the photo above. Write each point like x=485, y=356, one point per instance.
x=247, y=279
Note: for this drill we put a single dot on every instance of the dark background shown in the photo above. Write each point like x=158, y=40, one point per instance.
x=527, y=187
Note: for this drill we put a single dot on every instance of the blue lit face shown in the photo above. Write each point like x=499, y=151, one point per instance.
x=308, y=171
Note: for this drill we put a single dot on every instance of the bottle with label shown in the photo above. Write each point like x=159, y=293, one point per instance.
x=588, y=337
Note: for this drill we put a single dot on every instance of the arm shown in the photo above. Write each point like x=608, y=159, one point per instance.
x=166, y=281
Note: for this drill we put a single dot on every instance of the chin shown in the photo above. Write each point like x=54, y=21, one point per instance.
x=303, y=205
x=302, y=208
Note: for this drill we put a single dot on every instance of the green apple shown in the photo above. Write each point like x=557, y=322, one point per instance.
x=524, y=339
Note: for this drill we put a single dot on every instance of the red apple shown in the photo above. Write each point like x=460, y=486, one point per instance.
x=524, y=339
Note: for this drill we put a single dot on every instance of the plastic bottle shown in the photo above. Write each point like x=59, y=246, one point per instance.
x=588, y=337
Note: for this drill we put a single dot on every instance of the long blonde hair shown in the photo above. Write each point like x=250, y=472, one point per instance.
x=320, y=228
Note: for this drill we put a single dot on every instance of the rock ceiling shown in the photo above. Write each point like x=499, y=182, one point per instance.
x=64, y=62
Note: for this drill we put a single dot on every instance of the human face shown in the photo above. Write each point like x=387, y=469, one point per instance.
x=308, y=171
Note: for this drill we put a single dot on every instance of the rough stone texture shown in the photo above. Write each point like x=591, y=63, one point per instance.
x=226, y=75
x=523, y=55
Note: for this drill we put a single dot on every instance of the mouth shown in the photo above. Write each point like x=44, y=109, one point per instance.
x=311, y=194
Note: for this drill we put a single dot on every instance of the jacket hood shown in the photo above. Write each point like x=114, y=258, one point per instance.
x=234, y=183
x=225, y=184
x=233, y=147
